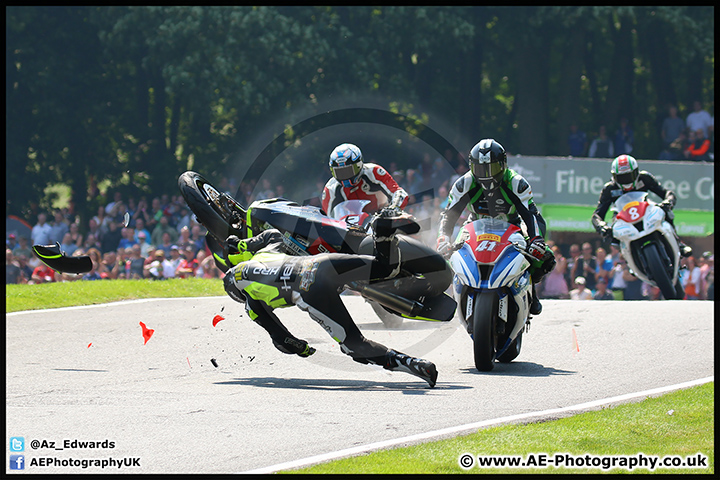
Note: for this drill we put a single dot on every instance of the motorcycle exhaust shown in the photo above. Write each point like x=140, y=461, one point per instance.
x=402, y=305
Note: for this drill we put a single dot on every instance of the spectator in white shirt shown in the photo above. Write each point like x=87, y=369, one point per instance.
x=699, y=118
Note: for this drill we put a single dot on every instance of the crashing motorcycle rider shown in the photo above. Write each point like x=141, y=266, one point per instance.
x=265, y=278
x=352, y=179
x=627, y=177
x=491, y=189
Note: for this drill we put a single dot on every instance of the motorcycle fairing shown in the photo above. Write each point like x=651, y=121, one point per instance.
x=463, y=266
x=55, y=258
x=487, y=245
x=632, y=211
x=311, y=231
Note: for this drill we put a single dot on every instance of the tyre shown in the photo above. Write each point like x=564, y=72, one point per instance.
x=484, y=337
x=658, y=271
x=679, y=290
x=513, y=350
x=216, y=211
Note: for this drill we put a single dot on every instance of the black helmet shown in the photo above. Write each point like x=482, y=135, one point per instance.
x=488, y=162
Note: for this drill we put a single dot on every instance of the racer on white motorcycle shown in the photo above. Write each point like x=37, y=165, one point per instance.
x=627, y=177
x=491, y=189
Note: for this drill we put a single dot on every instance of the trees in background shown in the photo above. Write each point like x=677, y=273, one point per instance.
x=136, y=95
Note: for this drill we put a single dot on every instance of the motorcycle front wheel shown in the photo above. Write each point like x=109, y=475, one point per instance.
x=216, y=211
x=659, y=271
x=485, y=312
x=513, y=350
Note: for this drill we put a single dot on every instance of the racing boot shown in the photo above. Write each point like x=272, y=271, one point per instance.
x=292, y=345
x=535, y=305
x=386, y=245
x=399, y=362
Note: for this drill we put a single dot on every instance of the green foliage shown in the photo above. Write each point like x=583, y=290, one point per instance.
x=133, y=95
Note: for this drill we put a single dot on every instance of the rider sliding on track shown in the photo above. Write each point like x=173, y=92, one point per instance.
x=627, y=177
x=265, y=278
x=354, y=180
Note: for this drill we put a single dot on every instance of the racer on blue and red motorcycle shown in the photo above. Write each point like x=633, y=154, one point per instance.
x=491, y=189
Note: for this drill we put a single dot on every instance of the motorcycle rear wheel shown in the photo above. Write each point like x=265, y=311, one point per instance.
x=216, y=211
x=659, y=271
x=484, y=336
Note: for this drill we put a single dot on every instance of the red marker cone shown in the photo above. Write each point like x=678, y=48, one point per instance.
x=146, y=332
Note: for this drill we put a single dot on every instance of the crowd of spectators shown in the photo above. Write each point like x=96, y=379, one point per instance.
x=159, y=242
x=593, y=274
x=162, y=239
x=692, y=138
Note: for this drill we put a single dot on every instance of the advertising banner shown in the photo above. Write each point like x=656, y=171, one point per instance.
x=572, y=181
x=567, y=190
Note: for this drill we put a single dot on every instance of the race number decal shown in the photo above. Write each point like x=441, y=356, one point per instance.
x=633, y=211
x=487, y=242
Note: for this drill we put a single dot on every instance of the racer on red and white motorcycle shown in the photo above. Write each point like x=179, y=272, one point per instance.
x=627, y=177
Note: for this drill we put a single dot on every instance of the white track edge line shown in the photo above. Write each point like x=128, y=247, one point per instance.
x=470, y=426
x=109, y=304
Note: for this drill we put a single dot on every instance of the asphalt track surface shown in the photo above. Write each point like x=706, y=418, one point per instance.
x=85, y=374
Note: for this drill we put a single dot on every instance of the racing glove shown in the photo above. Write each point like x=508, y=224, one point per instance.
x=667, y=206
x=536, y=247
x=231, y=289
x=235, y=250
x=444, y=247
x=605, y=230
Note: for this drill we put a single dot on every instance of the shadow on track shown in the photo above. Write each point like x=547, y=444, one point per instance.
x=520, y=369
x=415, y=388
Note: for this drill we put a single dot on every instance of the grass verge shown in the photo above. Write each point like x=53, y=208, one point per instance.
x=68, y=294
x=679, y=423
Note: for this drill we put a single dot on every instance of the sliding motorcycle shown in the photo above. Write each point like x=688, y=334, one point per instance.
x=417, y=292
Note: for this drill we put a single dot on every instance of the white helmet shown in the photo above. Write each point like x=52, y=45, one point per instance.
x=625, y=172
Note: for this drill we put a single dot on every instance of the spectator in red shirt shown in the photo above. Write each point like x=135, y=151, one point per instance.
x=42, y=274
x=188, y=264
x=699, y=148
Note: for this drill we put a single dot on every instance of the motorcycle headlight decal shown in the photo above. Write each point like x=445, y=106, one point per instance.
x=654, y=218
x=508, y=262
x=463, y=263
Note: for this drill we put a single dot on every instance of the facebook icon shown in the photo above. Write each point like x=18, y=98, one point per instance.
x=17, y=462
